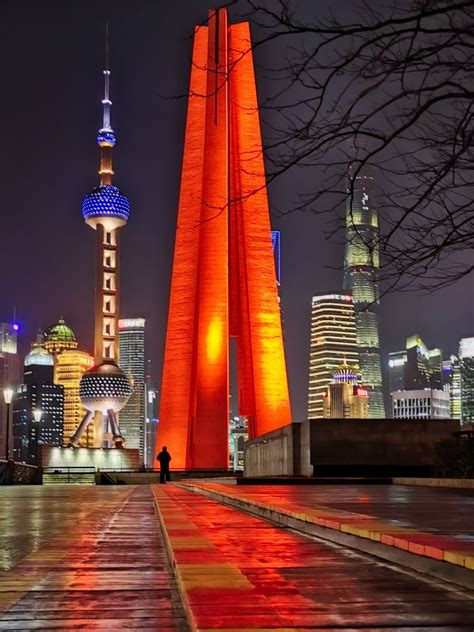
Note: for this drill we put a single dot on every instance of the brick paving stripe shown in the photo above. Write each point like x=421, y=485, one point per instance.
x=240, y=572
x=432, y=522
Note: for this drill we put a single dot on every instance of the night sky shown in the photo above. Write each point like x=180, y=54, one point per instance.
x=51, y=61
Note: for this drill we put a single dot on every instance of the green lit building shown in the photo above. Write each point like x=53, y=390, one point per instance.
x=361, y=264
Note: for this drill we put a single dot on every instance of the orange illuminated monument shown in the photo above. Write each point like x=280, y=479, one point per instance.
x=223, y=282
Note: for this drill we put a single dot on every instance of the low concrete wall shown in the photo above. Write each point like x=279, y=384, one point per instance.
x=274, y=454
x=348, y=447
x=393, y=446
x=98, y=458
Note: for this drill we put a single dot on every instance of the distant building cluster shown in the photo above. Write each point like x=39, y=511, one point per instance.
x=46, y=407
x=345, y=373
x=344, y=325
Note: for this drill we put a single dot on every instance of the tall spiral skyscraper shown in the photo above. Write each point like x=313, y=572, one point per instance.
x=104, y=389
x=361, y=265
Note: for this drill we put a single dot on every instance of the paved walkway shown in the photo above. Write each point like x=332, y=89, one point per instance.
x=432, y=522
x=238, y=572
x=84, y=558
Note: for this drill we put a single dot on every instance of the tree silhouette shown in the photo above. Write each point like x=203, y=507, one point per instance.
x=391, y=90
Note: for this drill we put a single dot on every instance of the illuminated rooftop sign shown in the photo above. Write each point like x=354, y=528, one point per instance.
x=131, y=323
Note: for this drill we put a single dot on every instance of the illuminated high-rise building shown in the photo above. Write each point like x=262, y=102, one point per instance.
x=345, y=397
x=333, y=343
x=151, y=418
x=455, y=388
x=223, y=282
x=69, y=367
x=132, y=363
x=361, y=265
x=9, y=373
x=466, y=372
x=104, y=389
x=38, y=393
x=70, y=364
x=415, y=367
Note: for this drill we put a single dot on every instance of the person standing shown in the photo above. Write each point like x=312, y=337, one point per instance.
x=164, y=457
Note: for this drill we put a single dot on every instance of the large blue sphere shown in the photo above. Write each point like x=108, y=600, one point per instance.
x=106, y=201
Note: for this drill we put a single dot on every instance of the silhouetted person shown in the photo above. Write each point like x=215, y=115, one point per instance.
x=164, y=458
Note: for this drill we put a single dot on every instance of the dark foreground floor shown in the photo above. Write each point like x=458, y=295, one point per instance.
x=93, y=558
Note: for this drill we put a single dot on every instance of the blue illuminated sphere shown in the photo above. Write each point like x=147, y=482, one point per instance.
x=106, y=138
x=106, y=201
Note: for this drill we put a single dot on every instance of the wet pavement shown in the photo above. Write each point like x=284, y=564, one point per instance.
x=431, y=522
x=239, y=572
x=85, y=558
x=434, y=509
x=93, y=558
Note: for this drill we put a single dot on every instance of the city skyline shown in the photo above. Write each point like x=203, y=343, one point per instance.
x=38, y=284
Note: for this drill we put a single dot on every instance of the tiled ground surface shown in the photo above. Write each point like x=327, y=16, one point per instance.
x=433, y=522
x=239, y=572
x=84, y=558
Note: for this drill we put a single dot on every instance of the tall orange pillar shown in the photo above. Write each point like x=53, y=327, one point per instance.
x=223, y=281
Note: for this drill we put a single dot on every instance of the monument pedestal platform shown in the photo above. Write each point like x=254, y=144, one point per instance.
x=81, y=465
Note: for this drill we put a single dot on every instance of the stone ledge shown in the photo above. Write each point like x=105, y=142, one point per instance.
x=454, y=483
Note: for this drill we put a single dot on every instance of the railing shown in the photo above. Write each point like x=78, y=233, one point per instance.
x=68, y=474
x=13, y=473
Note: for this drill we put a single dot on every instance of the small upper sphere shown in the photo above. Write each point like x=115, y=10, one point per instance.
x=106, y=201
x=106, y=138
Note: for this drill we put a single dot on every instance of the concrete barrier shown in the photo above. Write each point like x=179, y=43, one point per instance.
x=275, y=454
x=348, y=447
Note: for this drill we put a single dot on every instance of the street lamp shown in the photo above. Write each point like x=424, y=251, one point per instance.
x=8, y=396
x=37, y=413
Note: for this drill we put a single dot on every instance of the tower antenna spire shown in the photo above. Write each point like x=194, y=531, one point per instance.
x=107, y=45
x=106, y=102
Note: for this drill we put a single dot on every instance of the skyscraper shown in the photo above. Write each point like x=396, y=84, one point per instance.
x=455, y=388
x=333, y=343
x=361, y=265
x=9, y=373
x=132, y=363
x=70, y=364
x=466, y=371
x=416, y=367
x=37, y=393
x=223, y=282
x=151, y=418
x=103, y=389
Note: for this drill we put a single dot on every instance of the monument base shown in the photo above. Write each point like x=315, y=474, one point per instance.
x=101, y=459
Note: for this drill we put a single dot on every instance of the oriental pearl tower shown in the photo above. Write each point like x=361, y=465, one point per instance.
x=104, y=389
